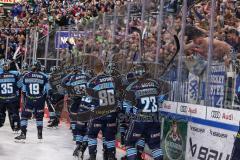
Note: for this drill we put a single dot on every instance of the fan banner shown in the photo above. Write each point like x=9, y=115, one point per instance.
x=64, y=38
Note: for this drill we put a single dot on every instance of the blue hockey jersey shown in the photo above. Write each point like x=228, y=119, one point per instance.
x=35, y=87
x=77, y=84
x=9, y=86
x=144, y=93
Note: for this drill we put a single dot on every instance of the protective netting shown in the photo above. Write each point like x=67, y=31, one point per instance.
x=174, y=39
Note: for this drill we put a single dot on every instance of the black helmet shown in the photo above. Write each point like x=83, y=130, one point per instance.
x=43, y=68
x=111, y=67
x=130, y=77
x=139, y=70
x=25, y=66
x=76, y=68
x=58, y=68
x=36, y=66
x=53, y=69
x=6, y=65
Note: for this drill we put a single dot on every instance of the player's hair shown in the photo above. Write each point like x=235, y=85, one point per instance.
x=98, y=68
x=193, y=32
x=233, y=31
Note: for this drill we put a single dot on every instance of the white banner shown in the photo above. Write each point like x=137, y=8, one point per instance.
x=208, y=143
x=191, y=110
x=223, y=115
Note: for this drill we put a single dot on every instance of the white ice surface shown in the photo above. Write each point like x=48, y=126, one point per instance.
x=57, y=145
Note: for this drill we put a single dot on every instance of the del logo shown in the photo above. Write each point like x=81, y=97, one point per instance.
x=205, y=153
x=174, y=146
x=216, y=114
x=183, y=109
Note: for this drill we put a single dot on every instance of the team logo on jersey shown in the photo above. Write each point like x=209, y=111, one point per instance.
x=174, y=145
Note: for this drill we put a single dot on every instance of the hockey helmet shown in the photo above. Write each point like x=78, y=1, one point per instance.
x=43, y=68
x=6, y=65
x=111, y=67
x=53, y=69
x=36, y=66
x=139, y=70
x=25, y=66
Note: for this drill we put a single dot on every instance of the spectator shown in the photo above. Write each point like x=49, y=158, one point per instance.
x=234, y=40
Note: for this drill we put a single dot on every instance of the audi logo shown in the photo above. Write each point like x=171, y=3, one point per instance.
x=216, y=114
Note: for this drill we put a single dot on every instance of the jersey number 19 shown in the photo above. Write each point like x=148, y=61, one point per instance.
x=34, y=88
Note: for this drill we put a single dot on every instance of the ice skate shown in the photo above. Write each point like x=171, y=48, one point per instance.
x=40, y=138
x=21, y=138
x=53, y=124
x=76, y=152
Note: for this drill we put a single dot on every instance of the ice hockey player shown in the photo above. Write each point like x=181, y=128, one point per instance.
x=35, y=88
x=76, y=83
x=55, y=102
x=124, y=119
x=143, y=94
x=81, y=128
x=24, y=69
x=9, y=96
x=51, y=109
x=104, y=88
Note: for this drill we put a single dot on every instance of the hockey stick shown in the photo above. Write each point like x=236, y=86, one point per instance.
x=15, y=57
x=135, y=29
x=49, y=102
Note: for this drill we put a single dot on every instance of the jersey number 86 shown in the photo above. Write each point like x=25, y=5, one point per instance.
x=106, y=97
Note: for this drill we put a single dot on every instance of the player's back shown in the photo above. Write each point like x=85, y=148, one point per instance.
x=105, y=87
x=9, y=86
x=78, y=83
x=34, y=84
x=145, y=93
x=55, y=82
